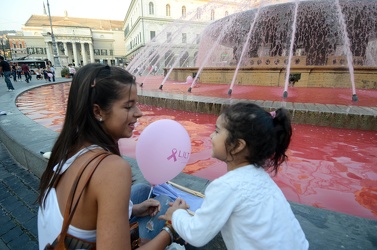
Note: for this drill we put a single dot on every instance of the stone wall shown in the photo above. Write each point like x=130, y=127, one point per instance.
x=311, y=76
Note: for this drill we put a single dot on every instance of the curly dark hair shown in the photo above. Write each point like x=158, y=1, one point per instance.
x=267, y=135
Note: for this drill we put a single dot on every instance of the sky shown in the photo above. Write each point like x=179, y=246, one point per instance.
x=15, y=13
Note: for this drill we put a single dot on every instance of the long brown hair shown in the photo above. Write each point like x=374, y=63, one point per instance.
x=92, y=84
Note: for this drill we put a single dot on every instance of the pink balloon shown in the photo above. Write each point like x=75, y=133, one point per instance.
x=162, y=151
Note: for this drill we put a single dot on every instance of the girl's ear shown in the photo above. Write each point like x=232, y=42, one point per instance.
x=241, y=145
x=97, y=112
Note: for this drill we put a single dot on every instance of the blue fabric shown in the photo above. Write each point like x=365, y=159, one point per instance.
x=195, y=202
x=140, y=193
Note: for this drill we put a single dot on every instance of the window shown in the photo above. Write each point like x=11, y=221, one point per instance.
x=111, y=52
x=168, y=37
x=104, y=52
x=212, y=14
x=39, y=51
x=197, y=39
x=127, y=30
x=152, y=34
x=168, y=10
x=96, y=52
x=151, y=8
x=184, y=38
x=198, y=13
x=183, y=11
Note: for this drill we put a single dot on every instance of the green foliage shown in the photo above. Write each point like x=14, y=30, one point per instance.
x=294, y=77
x=65, y=71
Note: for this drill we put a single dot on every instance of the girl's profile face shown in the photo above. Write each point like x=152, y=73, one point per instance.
x=218, y=138
x=120, y=121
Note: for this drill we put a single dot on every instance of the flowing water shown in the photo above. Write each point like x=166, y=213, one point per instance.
x=336, y=33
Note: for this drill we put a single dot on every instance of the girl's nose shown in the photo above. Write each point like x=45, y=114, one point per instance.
x=138, y=112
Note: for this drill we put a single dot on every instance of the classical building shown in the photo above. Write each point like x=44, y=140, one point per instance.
x=79, y=40
x=170, y=27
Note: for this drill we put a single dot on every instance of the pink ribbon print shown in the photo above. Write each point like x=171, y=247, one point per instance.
x=173, y=154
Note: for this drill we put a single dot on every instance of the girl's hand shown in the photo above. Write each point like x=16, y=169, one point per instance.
x=148, y=207
x=178, y=204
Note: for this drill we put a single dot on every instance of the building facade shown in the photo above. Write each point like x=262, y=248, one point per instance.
x=78, y=40
x=173, y=28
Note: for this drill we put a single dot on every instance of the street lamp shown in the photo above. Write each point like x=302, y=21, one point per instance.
x=54, y=47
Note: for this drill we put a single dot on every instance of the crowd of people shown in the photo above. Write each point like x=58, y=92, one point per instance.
x=245, y=204
x=15, y=71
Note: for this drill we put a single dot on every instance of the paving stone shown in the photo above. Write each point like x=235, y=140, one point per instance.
x=12, y=234
x=21, y=242
x=31, y=225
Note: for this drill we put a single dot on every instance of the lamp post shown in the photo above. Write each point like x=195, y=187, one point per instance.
x=54, y=47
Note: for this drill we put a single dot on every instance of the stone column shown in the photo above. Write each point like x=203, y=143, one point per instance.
x=48, y=50
x=66, y=52
x=83, y=52
x=91, y=52
x=75, y=54
x=65, y=48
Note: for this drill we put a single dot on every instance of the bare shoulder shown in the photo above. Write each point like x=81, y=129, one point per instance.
x=113, y=172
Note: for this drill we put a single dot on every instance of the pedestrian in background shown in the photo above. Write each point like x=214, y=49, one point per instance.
x=6, y=70
x=26, y=70
x=14, y=72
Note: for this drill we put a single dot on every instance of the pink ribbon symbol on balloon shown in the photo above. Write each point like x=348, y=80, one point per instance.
x=173, y=153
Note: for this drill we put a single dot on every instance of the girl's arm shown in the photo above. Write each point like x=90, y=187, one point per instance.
x=112, y=189
x=209, y=219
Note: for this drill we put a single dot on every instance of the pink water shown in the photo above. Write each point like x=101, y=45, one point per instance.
x=328, y=168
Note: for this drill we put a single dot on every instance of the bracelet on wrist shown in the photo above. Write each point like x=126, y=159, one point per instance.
x=169, y=231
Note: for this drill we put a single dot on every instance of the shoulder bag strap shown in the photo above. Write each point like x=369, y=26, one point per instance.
x=69, y=210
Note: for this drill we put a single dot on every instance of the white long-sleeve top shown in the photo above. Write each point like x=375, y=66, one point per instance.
x=248, y=208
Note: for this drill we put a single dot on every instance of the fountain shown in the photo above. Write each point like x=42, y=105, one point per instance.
x=322, y=43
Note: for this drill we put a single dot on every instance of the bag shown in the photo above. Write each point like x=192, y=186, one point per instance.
x=67, y=241
x=134, y=234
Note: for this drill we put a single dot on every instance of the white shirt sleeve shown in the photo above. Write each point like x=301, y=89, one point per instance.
x=218, y=205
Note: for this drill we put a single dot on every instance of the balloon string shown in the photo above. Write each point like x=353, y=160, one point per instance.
x=150, y=192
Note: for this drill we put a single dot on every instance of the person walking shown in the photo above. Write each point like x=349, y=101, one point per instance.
x=26, y=70
x=52, y=70
x=5, y=69
x=14, y=72
x=19, y=73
